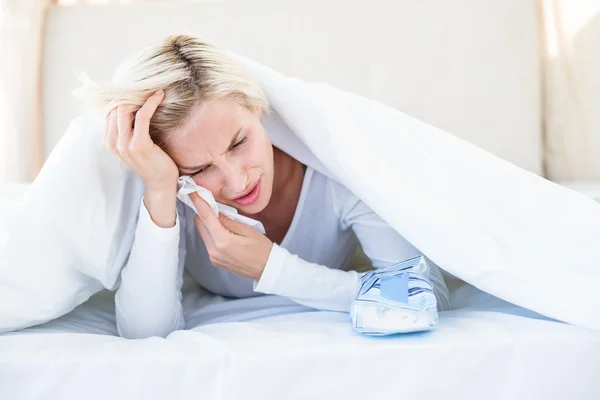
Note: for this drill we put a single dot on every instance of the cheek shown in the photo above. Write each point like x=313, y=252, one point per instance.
x=206, y=182
x=258, y=155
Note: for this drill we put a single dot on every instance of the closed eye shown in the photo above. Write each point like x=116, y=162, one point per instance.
x=200, y=171
x=238, y=144
x=241, y=142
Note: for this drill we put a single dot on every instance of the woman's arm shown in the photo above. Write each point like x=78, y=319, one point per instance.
x=309, y=284
x=148, y=301
x=318, y=286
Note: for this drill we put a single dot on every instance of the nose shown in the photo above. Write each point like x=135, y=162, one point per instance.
x=235, y=179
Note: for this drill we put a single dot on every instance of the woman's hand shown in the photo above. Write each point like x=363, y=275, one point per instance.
x=231, y=245
x=128, y=137
x=131, y=142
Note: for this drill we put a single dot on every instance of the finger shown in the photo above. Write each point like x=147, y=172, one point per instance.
x=124, y=125
x=204, y=234
x=234, y=226
x=208, y=218
x=110, y=139
x=145, y=113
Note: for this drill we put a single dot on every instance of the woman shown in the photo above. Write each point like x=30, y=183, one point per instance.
x=183, y=107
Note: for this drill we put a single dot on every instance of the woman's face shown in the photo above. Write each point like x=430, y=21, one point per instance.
x=225, y=149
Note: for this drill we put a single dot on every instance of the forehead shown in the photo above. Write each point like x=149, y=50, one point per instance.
x=208, y=131
x=210, y=119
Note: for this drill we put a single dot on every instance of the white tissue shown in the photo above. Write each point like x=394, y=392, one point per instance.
x=186, y=185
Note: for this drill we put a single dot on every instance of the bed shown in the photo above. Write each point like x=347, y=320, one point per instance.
x=269, y=347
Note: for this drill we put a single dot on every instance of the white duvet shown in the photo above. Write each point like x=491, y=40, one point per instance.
x=494, y=225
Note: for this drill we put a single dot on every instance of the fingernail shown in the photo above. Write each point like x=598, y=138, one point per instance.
x=159, y=92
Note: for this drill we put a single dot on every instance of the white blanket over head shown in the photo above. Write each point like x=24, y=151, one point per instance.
x=494, y=225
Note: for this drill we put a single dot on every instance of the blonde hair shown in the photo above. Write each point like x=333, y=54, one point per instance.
x=189, y=69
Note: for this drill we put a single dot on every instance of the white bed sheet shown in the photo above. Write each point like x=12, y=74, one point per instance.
x=491, y=350
x=271, y=348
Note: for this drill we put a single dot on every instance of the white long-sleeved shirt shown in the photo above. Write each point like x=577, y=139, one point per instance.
x=307, y=267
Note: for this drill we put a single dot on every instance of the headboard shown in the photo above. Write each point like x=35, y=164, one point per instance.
x=467, y=66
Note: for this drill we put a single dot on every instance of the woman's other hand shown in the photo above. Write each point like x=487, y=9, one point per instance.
x=128, y=137
x=131, y=142
x=231, y=245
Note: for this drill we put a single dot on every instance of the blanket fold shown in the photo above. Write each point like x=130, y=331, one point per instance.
x=503, y=229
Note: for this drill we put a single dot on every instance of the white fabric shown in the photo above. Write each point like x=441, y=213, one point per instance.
x=507, y=351
x=143, y=307
x=10, y=194
x=79, y=248
x=492, y=224
x=486, y=221
x=186, y=186
x=485, y=349
x=590, y=189
x=306, y=267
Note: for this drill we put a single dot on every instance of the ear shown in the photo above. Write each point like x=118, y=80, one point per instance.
x=259, y=111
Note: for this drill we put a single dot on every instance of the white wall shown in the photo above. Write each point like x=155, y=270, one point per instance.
x=468, y=66
x=573, y=91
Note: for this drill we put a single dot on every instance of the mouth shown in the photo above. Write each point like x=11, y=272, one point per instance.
x=249, y=196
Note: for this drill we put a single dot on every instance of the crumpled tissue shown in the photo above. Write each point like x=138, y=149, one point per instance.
x=186, y=185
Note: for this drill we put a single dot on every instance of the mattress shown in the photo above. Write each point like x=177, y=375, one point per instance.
x=269, y=347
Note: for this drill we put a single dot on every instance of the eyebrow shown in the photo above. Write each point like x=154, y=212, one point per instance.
x=199, y=167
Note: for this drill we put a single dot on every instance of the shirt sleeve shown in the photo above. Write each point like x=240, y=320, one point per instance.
x=148, y=301
x=318, y=286
x=309, y=284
